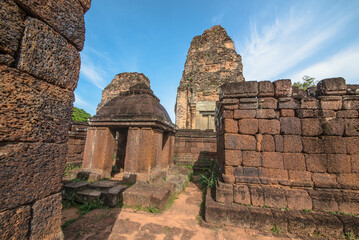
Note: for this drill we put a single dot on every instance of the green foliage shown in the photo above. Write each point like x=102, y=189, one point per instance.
x=151, y=209
x=208, y=178
x=350, y=236
x=69, y=198
x=277, y=230
x=80, y=115
x=68, y=223
x=87, y=207
x=307, y=210
x=307, y=82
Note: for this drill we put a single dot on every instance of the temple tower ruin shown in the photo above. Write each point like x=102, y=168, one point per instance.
x=211, y=61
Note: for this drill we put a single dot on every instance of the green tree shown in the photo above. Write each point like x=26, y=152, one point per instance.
x=80, y=115
x=307, y=82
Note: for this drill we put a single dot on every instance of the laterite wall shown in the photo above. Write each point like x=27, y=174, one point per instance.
x=282, y=147
x=39, y=69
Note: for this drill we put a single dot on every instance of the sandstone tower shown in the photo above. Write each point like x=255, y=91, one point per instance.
x=211, y=61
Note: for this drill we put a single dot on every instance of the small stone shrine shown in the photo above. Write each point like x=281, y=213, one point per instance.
x=131, y=131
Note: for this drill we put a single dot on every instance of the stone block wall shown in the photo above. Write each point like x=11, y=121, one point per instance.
x=76, y=143
x=192, y=145
x=39, y=69
x=282, y=147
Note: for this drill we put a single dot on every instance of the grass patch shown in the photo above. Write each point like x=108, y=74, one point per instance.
x=350, y=236
x=68, y=223
x=307, y=210
x=87, y=207
x=276, y=229
x=343, y=213
x=199, y=219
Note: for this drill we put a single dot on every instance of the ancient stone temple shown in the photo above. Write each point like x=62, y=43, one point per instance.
x=131, y=130
x=211, y=61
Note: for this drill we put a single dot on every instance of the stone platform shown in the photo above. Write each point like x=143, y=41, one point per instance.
x=300, y=223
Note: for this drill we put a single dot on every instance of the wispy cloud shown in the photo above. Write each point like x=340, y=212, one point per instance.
x=276, y=47
x=218, y=18
x=79, y=101
x=92, y=73
x=342, y=64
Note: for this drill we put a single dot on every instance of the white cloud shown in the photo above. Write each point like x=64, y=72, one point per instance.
x=342, y=64
x=80, y=102
x=92, y=73
x=276, y=47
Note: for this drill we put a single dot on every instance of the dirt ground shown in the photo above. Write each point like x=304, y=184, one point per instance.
x=181, y=221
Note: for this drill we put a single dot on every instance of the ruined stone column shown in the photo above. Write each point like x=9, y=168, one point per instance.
x=99, y=151
x=39, y=69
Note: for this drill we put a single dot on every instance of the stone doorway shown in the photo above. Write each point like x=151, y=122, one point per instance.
x=120, y=150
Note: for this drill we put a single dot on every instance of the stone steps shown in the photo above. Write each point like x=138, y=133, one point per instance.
x=108, y=191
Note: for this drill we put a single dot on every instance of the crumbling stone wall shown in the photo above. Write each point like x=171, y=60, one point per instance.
x=281, y=147
x=39, y=69
x=192, y=145
x=211, y=61
x=76, y=143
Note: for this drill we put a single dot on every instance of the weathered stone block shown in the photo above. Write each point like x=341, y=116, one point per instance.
x=333, y=144
x=257, y=195
x=290, y=126
x=240, y=142
x=351, y=102
x=353, y=89
x=288, y=103
x=282, y=88
x=86, y=4
x=309, y=103
x=348, y=203
x=347, y=114
x=339, y=163
x=316, y=162
x=227, y=114
x=298, y=93
x=233, y=157
x=267, y=103
x=239, y=114
x=248, y=103
x=300, y=223
x=241, y=194
x=287, y=113
x=298, y=199
x=269, y=126
x=265, y=143
x=278, y=140
x=300, y=178
x=355, y=163
x=274, y=176
x=328, y=225
x=230, y=106
x=294, y=161
x=323, y=201
x=231, y=126
x=265, y=89
x=292, y=144
x=251, y=158
x=232, y=141
x=307, y=113
x=325, y=180
x=11, y=27
x=312, y=145
x=229, y=170
x=47, y=55
x=266, y=113
x=240, y=89
x=224, y=192
x=228, y=179
x=330, y=102
x=348, y=180
x=46, y=218
x=332, y=86
x=65, y=16
x=272, y=160
x=311, y=127
x=29, y=104
x=274, y=197
x=334, y=126
x=248, y=126
x=6, y=59
x=327, y=113
x=36, y=164
x=246, y=174
x=14, y=224
x=352, y=127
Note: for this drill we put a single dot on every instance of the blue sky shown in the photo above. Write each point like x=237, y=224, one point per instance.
x=276, y=39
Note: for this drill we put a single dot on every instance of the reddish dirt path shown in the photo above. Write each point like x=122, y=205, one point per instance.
x=180, y=222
